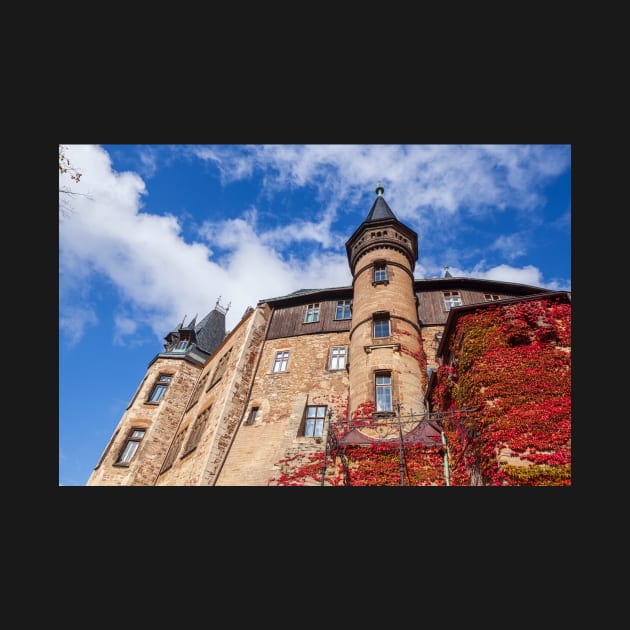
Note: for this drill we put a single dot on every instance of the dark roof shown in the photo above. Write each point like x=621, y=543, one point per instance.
x=424, y=284
x=210, y=331
x=432, y=284
x=380, y=210
x=305, y=292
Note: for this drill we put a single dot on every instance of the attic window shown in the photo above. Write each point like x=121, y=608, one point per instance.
x=451, y=299
x=490, y=297
x=180, y=346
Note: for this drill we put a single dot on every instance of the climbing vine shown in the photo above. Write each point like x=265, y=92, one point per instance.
x=512, y=364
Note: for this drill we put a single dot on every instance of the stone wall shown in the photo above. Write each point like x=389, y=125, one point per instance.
x=255, y=456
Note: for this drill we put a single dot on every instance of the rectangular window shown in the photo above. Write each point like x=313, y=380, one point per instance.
x=381, y=326
x=337, y=358
x=221, y=367
x=198, y=390
x=384, y=392
x=252, y=416
x=451, y=299
x=281, y=360
x=490, y=297
x=380, y=272
x=343, y=309
x=131, y=446
x=172, y=453
x=312, y=313
x=157, y=393
x=314, y=420
x=180, y=346
x=196, y=431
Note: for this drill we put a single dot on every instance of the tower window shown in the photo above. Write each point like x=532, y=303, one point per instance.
x=451, y=299
x=160, y=387
x=180, y=346
x=344, y=309
x=383, y=382
x=281, y=360
x=130, y=448
x=380, y=273
x=381, y=326
x=314, y=417
x=312, y=313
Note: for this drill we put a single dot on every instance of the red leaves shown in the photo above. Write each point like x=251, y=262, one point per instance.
x=513, y=361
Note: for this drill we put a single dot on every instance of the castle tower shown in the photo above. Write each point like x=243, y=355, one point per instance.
x=385, y=340
x=149, y=423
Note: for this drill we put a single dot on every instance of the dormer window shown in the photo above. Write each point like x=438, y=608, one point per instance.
x=312, y=313
x=451, y=299
x=180, y=346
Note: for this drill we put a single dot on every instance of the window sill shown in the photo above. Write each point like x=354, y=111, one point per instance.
x=375, y=282
x=121, y=465
x=393, y=346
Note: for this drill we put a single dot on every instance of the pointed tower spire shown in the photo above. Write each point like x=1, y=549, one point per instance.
x=380, y=229
x=380, y=210
x=447, y=273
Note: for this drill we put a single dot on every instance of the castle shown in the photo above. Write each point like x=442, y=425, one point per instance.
x=390, y=381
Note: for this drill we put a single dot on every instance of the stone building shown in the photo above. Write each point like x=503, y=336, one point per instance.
x=245, y=408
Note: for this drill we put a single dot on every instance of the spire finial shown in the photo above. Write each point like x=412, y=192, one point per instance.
x=447, y=273
x=379, y=189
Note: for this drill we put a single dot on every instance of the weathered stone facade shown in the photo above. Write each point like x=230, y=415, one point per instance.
x=159, y=421
x=236, y=418
x=281, y=398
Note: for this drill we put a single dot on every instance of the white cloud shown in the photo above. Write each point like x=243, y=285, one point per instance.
x=511, y=246
x=505, y=273
x=158, y=274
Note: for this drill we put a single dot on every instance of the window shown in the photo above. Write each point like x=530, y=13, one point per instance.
x=312, y=313
x=344, y=308
x=314, y=420
x=451, y=299
x=337, y=358
x=381, y=326
x=196, y=431
x=221, y=367
x=384, y=392
x=172, y=453
x=180, y=346
x=198, y=390
x=281, y=360
x=490, y=297
x=380, y=272
x=131, y=446
x=157, y=393
x=252, y=416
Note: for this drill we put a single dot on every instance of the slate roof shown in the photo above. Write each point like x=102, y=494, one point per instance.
x=379, y=211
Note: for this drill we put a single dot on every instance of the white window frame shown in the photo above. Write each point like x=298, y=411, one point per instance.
x=280, y=361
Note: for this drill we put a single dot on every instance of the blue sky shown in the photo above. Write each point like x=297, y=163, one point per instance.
x=153, y=233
